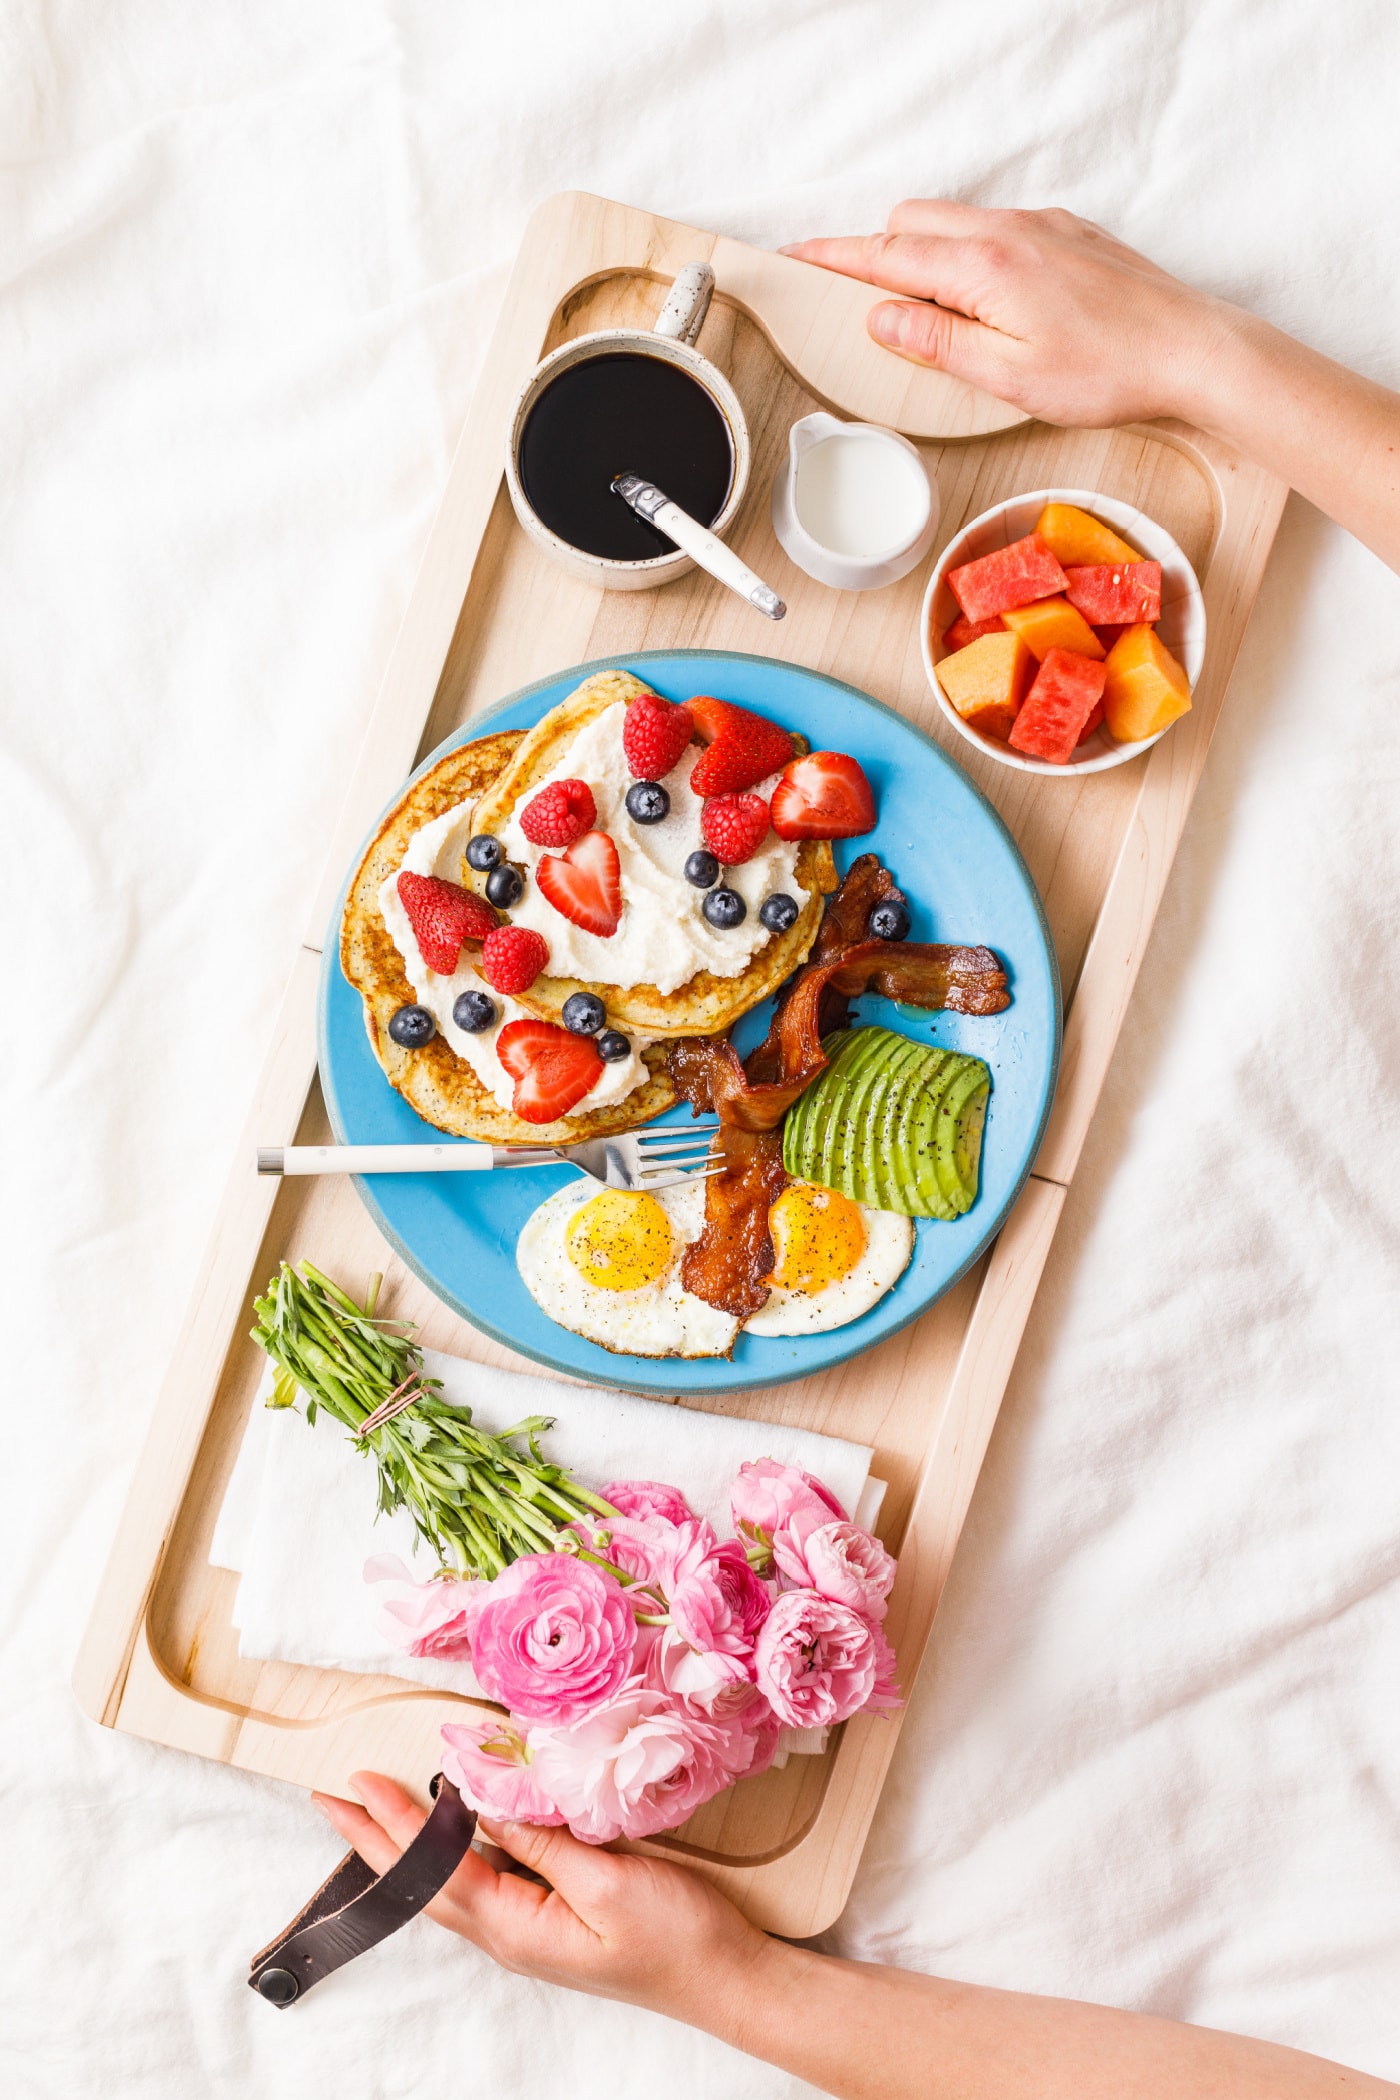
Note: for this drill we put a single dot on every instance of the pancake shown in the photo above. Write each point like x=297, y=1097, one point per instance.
x=436, y=1083
x=706, y=1004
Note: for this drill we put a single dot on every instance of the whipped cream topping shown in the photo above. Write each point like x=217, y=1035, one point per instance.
x=437, y=850
x=664, y=937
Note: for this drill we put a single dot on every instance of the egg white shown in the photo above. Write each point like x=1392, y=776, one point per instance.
x=657, y=1319
x=889, y=1246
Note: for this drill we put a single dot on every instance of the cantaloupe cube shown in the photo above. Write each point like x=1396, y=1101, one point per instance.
x=1053, y=623
x=1074, y=537
x=1145, y=686
x=987, y=681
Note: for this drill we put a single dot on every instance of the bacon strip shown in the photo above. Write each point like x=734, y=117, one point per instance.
x=729, y=1263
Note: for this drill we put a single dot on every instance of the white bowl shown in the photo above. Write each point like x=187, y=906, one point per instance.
x=1182, y=626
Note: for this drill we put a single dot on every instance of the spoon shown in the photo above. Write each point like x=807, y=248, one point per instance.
x=696, y=540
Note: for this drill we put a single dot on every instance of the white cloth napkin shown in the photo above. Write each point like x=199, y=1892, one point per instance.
x=298, y=1518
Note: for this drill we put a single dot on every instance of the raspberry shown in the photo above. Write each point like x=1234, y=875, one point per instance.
x=442, y=915
x=512, y=958
x=734, y=827
x=654, y=734
x=559, y=814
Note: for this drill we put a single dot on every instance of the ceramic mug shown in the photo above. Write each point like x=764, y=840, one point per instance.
x=672, y=339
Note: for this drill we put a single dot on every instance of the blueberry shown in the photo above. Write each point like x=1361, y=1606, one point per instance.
x=647, y=802
x=484, y=852
x=778, y=912
x=412, y=1026
x=702, y=869
x=473, y=1012
x=889, y=921
x=503, y=885
x=584, y=1013
x=724, y=908
x=612, y=1046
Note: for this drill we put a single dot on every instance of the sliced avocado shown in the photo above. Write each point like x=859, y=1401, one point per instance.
x=967, y=1147
x=971, y=1080
x=880, y=1111
x=893, y=1123
x=914, y=1138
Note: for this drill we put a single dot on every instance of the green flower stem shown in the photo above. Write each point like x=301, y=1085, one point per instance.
x=479, y=1501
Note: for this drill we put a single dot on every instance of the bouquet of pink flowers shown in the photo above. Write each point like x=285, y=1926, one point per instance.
x=646, y=1663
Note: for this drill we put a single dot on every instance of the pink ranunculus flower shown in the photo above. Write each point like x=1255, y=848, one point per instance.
x=644, y=1548
x=848, y=1565
x=764, y=1729
x=717, y=1601
x=702, y=1684
x=637, y=1765
x=553, y=1637
x=647, y=1498
x=426, y=1618
x=771, y=1502
x=490, y=1765
x=816, y=1661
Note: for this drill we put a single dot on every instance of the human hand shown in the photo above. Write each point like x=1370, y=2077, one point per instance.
x=614, y=1924
x=1040, y=308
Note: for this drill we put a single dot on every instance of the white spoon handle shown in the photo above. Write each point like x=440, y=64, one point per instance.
x=697, y=540
x=460, y=1158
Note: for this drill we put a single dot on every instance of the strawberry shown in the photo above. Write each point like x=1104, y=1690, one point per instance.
x=654, y=734
x=585, y=884
x=559, y=814
x=734, y=827
x=512, y=958
x=823, y=796
x=552, y=1069
x=442, y=915
x=744, y=748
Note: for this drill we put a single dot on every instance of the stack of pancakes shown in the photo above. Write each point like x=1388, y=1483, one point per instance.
x=497, y=773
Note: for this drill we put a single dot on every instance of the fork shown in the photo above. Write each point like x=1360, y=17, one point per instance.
x=652, y=1159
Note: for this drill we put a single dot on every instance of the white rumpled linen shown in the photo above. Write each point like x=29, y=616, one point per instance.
x=251, y=258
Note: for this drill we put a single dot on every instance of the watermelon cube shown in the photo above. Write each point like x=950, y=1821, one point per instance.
x=1117, y=594
x=1109, y=635
x=1052, y=716
x=1094, y=722
x=1010, y=576
x=964, y=631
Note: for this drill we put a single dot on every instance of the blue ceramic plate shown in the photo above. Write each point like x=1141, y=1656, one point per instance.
x=965, y=880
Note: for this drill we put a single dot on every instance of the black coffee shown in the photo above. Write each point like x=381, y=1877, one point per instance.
x=623, y=413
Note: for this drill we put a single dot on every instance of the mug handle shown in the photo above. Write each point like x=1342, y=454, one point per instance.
x=687, y=304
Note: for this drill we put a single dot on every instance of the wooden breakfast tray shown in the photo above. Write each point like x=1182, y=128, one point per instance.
x=488, y=614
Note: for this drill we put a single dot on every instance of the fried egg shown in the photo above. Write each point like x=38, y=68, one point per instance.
x=833, y=1260
x=605, y=1263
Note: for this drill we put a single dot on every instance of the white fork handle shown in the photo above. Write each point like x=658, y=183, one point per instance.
x=459, y=1158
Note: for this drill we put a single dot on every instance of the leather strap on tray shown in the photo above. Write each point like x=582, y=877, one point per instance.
x=357, y=1908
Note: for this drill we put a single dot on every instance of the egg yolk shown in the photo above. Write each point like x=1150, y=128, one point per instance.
x=818, y=1237
x=620, y=1240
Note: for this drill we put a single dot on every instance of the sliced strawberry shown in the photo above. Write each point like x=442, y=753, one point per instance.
x=823, y=796
x=585, y=884
x=442, y=915
x=654, y=734
x=552, y=1069
x=744, y=748
x=734, y=827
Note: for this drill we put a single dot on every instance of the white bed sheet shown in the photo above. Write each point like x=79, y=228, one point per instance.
x=251, y=257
